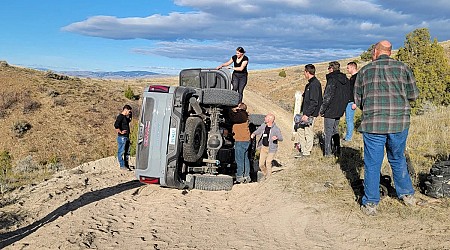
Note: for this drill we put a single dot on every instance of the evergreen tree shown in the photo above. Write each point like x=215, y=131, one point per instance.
x=367, y=55
x=430, y=65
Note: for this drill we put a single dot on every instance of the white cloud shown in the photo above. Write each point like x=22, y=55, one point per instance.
x=275, y=31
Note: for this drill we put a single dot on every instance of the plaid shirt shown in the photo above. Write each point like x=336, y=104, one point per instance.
x=383, y=89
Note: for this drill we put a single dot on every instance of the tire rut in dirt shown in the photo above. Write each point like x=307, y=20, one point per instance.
x=195, y=139
x=222, y=97
x=213, y=182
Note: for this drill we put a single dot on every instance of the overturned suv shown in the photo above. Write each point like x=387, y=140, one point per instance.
x=184, y=136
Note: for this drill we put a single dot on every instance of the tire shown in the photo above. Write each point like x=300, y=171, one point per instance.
x=195, y=139
x=256, y=119
x=213, y=182
x=221, y=97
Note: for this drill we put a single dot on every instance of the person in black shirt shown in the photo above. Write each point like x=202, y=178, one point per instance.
x=122, y=126
x=239, y=78
x=352, y=68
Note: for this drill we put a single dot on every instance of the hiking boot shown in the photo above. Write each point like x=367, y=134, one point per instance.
x=369, y=209
x=409, y=200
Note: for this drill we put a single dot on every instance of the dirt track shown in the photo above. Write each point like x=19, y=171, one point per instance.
x=98, y=206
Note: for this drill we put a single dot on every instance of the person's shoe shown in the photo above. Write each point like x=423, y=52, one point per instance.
x=409, y=200
x=126, y=168
x=369, y=209
x=328, y=156
x=301, y=155
x=239, y=180
x=247, y=179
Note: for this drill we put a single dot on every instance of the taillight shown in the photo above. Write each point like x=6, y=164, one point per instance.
x=148, y=180
x=158, y=88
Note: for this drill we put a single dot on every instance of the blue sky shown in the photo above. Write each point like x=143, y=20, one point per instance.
x=165, y=36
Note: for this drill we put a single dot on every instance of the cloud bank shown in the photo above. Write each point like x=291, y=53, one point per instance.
x=274, y=32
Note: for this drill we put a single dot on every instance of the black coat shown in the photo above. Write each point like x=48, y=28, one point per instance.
x=336, y=95
x=312, y=98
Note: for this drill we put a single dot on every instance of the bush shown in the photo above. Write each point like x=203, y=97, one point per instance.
x=26, y=165
x=5, y=171
x=129, y=94
x=133, y=138
x=30, y=106
x=367, y=55
x=282, y=73
x=20, y=128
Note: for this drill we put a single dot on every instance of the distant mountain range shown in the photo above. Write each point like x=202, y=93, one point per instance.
x=111, y=75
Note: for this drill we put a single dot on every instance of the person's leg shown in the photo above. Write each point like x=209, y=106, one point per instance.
x=126, y=156
x=246, y=146
x=241, y=86
x=120, y=150
x=239, y=158
x=309, y=137
x=373, y=158
x=269, y=160
x=395, y=150
x=328, y=127
x=336, y=150
x=262, y=159
x=349, y=116
x=235, y=82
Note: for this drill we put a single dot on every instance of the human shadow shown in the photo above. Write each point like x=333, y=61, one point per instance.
x=9, y=238
x=351, y=163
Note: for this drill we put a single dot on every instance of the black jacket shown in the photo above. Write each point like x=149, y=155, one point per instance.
x=336, y=95
x=312, y=98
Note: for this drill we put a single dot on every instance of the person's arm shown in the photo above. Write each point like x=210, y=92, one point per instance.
x=242, y=67
x=117, y=125
x=225, y=64
x=330, y=91
x=238, y=116
x=278, y=136
x=412, y=92
x=314, y=95
x=258, y=131
x=358, y=91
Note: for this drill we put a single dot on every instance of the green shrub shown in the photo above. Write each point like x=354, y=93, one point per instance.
x=133, y=138
x=129, y=94
x=431, y=68
x=282, y=73
x=367, y=55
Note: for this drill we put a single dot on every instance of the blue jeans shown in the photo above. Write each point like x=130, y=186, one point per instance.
x=349, y=115
x=123, y=150
x=331, y=130
x=373, y=157
x=241, y=158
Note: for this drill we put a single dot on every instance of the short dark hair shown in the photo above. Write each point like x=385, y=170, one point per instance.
x=240, y=49
x=310, y=68
x=127, y=107
x=353, y=64
x=334, y=65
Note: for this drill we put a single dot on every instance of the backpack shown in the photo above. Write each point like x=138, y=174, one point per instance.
x=437, y=184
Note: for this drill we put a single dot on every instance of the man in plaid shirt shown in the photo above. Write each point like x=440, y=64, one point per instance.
x=383, y=90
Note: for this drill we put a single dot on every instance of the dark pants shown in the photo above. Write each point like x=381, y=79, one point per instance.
x=239, y=80
x=331, y=131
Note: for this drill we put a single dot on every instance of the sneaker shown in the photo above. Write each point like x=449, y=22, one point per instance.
x=369, y=209
x=239, y=180
x=409, y=200
x=301, y=155
x=126, y=168
x=247, y=179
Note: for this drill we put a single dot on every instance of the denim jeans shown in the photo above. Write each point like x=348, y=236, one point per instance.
x=349, y=115
x=241, y=158
x=373, y=157
x=239, y=80
x=123, y=150
x=331, y=126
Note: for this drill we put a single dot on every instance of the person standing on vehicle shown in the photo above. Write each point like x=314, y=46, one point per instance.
x=383, y=90
x=122, y=126
x=352, y=69
x=241, y=134
x=312, y=100
x=268, y=143
x=335, y=99
x=239, y=78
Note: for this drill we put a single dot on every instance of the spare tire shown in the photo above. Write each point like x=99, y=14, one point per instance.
x=256, y=119
x=213, y=182
x=221, y=97
x=194, y=139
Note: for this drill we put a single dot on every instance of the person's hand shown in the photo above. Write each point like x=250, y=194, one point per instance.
x=274, y=138
x=123, y=132
x=252, y=136
x=304, y=118
x=219, y=67
x=353, y=106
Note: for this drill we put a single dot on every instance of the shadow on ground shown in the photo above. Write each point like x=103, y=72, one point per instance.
x=9, y=238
